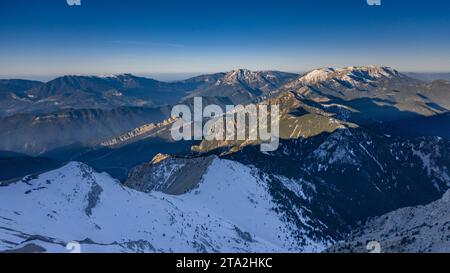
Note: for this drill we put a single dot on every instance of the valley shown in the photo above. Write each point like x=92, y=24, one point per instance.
x=356, y=143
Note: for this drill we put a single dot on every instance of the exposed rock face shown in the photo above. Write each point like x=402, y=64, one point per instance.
x=169, y=175
x=158, y=158
x=298, y=118
x=409, y=230
x=161, y=130
x=180, y=176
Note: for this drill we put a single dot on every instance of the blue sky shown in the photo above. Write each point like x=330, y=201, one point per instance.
x=45, y=38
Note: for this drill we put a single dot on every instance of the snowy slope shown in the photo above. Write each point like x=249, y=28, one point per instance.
x=230, y=211
x=420, y=229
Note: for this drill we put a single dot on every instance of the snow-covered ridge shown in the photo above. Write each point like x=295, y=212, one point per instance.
x=230, y=211
x=252, y=78
x=112, y=76
x=352, y=74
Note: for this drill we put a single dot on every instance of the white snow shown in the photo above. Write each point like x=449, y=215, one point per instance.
x=352, y=76
x=230, y=211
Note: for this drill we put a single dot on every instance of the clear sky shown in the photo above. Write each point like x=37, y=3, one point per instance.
x=45, y=38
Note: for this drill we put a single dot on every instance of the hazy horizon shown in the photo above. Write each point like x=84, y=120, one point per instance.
x=45, y=39
x=168, y=77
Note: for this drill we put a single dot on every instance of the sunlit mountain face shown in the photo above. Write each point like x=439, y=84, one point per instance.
x=357, y=104
x=356, y=143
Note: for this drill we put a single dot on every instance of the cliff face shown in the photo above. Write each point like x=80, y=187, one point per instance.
x=169, y=175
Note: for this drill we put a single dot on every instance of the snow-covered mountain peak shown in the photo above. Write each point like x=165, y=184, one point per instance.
x=241, y=76
x=352, y=75
x=240, y=72
x=418, y=229
x=317, y=75
x=231, y=210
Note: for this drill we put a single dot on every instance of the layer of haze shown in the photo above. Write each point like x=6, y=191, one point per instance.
x=176, y=39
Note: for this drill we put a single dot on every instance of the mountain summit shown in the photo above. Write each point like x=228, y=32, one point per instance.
x=365, y=87
x=352, y=75
x=242, y=86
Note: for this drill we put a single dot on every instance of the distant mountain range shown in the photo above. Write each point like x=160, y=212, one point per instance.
x=357, y=144
x=326, y=99
x=90, y=110
x=95, y=92
x=374, y=92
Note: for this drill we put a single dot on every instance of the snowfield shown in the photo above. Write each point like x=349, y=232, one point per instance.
x=230, y=211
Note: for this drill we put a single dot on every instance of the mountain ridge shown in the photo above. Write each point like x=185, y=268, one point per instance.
x=198, y=221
